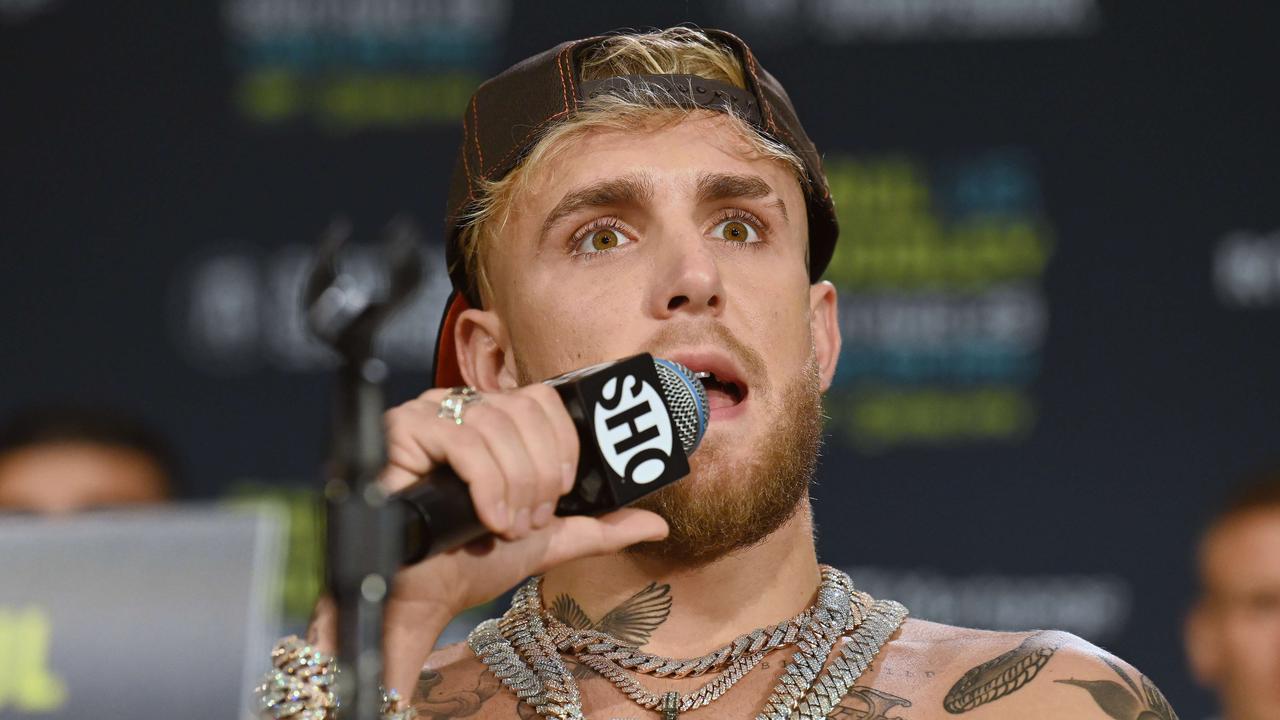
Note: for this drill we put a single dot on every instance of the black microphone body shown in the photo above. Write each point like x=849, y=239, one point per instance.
x=637, y=420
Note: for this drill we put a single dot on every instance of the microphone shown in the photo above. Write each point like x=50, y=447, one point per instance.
x=638, y=419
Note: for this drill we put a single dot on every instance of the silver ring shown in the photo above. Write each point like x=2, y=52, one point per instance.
x=456, y=401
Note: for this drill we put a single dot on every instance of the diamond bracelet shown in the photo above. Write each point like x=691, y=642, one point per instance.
x=299, y=686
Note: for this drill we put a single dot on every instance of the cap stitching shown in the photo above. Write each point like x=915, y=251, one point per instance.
x=564, y=94
x=564, y=90
x=755, y=78
x=475, y=114
x=573, y=88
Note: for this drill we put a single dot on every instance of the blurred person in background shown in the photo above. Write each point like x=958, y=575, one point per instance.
x=70, y=459
x=1233, y=631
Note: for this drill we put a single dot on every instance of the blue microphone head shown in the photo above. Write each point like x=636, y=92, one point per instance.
x=687, y=399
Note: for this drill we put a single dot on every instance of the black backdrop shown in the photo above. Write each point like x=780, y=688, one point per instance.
x=1060, y=270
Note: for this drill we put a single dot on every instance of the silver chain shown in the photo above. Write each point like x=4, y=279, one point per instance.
x=649, y=700
x=580, y=642
x=820, y=626
x=511, y=645
x=822, y=690
x=524, y=654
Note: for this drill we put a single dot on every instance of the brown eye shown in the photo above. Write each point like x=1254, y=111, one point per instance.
x=736, y=231
x=600, y=240
x=604, y=239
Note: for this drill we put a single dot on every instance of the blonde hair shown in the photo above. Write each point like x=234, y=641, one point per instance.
x=673, y=51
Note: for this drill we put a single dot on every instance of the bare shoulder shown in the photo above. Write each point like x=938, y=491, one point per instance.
x=922, y=662
x=990, y=675
x=455, y=684
x=1085, y=681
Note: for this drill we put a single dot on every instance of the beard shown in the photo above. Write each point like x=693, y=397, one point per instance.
x=737, y=496
x=737, y=493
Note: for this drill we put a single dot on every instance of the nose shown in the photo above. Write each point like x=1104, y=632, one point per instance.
x=689, y=281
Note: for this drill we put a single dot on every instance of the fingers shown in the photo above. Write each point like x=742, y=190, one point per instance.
x=566, y=435
x=469, y=451
x=497, y=423
x=517, y=452
x=418, y=441
x=553, y=443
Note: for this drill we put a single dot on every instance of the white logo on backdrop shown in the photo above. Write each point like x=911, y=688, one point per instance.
x=1246, y=269
x=904, y=20
x=1095, y=607
x=1012, y=316
x=238, y=309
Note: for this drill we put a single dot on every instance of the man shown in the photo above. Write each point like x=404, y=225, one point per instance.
x=63, y=460
x=1233, y=632
x=655, y=192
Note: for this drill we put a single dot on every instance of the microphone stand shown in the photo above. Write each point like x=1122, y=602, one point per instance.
x=363, y=543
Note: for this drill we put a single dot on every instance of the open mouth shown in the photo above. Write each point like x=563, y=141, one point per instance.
x=721, y=393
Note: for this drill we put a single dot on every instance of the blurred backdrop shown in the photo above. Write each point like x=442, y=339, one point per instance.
x=1059, y=265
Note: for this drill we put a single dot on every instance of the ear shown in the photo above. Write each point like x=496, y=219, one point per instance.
x=484, y=355
x=824, y=326
x=1202, y=645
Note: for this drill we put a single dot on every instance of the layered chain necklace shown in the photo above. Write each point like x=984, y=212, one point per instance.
x=523, y=650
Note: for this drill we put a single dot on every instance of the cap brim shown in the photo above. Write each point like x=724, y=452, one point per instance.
x=447, y=373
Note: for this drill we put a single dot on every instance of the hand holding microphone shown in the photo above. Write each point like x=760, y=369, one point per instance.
x=636, y=421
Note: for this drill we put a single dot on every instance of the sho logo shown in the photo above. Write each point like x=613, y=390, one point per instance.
x=633, y=429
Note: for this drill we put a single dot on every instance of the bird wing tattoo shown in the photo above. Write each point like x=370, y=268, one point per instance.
x=637, y=617
x=1126, y=702
x=568, y=611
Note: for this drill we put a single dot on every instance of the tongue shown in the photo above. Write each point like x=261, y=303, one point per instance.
x=718, y=398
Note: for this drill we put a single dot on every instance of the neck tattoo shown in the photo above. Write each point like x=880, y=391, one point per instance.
x=523, y=649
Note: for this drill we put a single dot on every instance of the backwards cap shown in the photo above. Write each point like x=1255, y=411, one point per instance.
x=509, y=113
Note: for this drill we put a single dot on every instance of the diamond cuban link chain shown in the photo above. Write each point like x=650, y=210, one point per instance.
x=585, y=641
x=817, y=628
x=524, y=654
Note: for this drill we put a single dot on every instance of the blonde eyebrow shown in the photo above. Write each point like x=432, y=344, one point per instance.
x=632, y=189
x=722, y=186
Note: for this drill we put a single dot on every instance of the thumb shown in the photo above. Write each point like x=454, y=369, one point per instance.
x=580, y=536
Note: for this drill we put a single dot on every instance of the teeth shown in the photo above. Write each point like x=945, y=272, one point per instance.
x=711, y=382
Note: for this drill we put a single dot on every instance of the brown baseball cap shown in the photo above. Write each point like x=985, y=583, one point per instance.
x=509, y=113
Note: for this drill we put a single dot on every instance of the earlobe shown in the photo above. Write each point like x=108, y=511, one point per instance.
x=825, y=329
x=483, y=355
